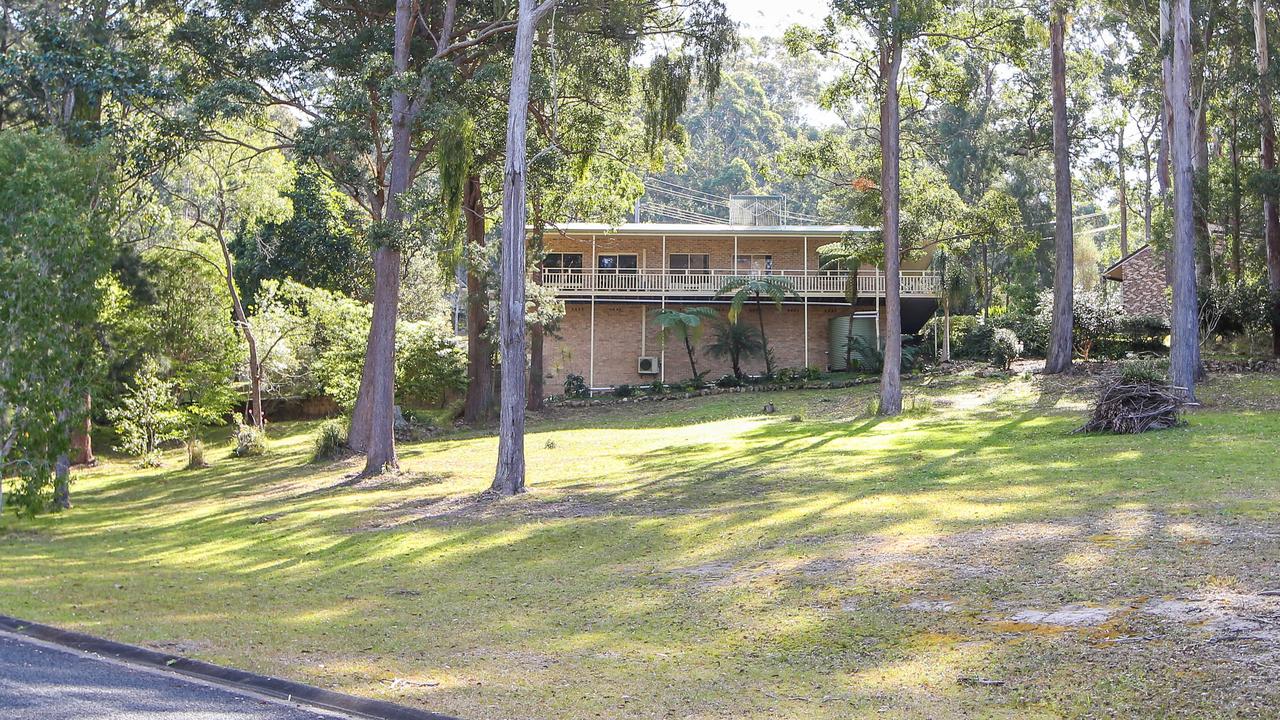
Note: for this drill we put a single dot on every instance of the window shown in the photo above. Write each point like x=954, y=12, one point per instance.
x=685, y=263
x=616, y=263
x=563, y=262
x=756, y=264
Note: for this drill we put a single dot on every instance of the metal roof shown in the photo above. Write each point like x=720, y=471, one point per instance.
x=695, y=230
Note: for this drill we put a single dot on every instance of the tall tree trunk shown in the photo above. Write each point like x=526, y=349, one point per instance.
x=246, y=330
x=510, y=476
x=1270, y=203
x=62, y=482
x=1237, y=204
x=890, y=150
x=1060, y=344
x=479, y=404
x=82, y=437
x=378, y=379
x=1146, y=189
x=1123, y=194
x=1200, y=163
x=1185, y=325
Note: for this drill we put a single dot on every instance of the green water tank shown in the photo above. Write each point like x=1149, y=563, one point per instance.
x=839, y=330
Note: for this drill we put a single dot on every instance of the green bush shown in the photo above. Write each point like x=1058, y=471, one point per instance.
x=431, y=365
x=657, y=388
x=330, y=442
x=729, y=381
x=1154, y=372
x=250, y=442
x=1005, y=348
x=623, y=391
x=575, y=386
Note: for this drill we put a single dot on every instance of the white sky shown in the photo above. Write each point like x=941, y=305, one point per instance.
x=771, y=17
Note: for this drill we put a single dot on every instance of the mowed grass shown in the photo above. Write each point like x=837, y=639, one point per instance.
x=697, y=559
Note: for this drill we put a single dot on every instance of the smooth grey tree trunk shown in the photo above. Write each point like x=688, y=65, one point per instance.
x=479, y=403
x=1123, y=191
x=1185, y=343
x=379, y=375
x=510, y=476
x=890, y=66
x=246, y=330
x=1060, y=329
x=1270, y=203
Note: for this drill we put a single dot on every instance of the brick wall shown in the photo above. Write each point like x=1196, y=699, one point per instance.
x=1144, y=290
x=625, y=331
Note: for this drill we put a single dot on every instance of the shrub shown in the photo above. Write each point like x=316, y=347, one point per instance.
x=250, y=442
x=1144, y=371
x=793, y=375
x=1005, y=347
x=975, y=342
x=623, y=391
x=195, y=454
x=867, y=357
x=1143, y=333
x=729, y=381
x=657, y=388
x=330, y=442
x=431, y=365
x=148, y=413
x=575, y=386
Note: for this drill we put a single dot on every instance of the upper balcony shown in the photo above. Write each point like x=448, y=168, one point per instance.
x=817, y=284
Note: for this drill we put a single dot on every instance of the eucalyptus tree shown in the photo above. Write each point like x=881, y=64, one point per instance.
x=1060, y=348
x=896, y=28
x=1185, y=340
x=221, y=189
x=708, y=35
x=1267, y=131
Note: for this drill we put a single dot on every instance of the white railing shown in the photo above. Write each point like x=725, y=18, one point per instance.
x=707, y=283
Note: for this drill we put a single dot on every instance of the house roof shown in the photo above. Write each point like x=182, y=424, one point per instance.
x=713, y=230
x=1116, y=270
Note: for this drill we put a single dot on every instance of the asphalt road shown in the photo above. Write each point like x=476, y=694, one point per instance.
x=43, y=682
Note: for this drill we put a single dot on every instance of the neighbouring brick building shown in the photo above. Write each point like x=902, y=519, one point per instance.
x=612, y=279
x=1143, y=286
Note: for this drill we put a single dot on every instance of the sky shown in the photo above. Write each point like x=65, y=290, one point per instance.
x=771, y=17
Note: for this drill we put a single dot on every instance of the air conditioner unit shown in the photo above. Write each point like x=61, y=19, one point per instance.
x=647, y=365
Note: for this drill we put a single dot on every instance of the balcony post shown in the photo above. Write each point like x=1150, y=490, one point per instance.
x=662, y=351
x=591, y=367
x=804, y=280
x=735, y=255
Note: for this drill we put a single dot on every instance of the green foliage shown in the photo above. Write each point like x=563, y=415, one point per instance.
x=756, y=288
x=330, y=442
x=431, y=365
x=320, y=245
x=1005, y=348
x=657, y=388
x=1155, y=372
x=737, y=342
x=868, y=357
x=729, y=381
x=249, y=441
x=54, y=254
x=148, y=414
x=575, y=386
x=623, y=391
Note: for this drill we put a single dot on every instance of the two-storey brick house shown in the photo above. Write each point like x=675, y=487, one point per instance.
x=612, y=279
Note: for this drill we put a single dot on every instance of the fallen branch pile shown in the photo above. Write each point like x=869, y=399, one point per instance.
x=1129, y=406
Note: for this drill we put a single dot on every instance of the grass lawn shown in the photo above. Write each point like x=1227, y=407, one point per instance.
x=695, y=559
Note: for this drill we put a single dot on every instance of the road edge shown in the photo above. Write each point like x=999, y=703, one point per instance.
x=219, y=675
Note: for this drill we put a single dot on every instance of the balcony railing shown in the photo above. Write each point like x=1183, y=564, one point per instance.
x=707, y=283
